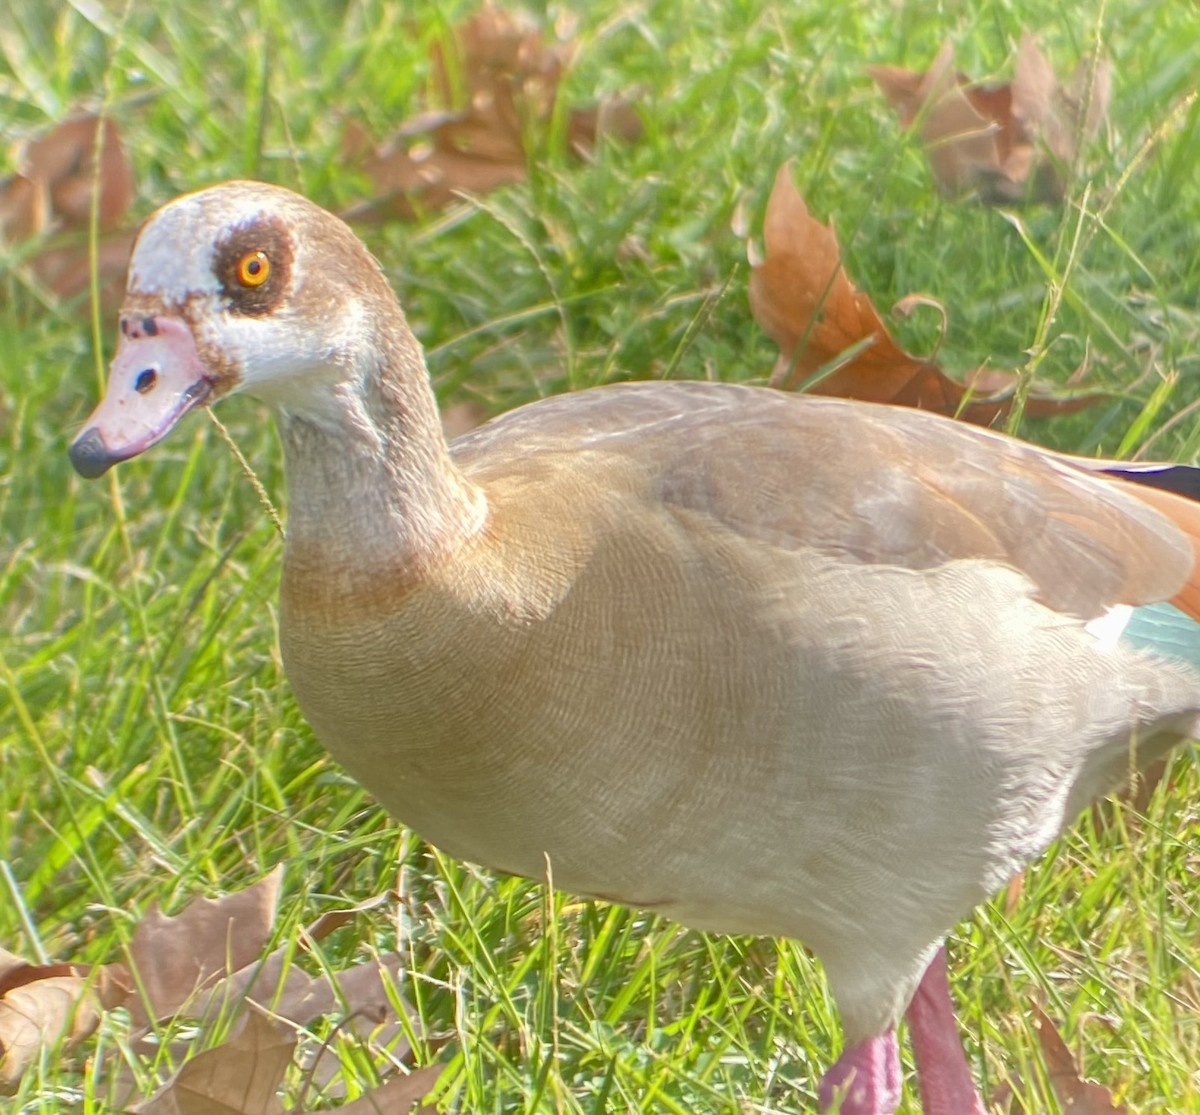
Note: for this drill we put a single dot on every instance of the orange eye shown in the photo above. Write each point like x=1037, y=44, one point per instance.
x=253, y=269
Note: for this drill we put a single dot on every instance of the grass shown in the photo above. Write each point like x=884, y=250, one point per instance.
x=150, y=748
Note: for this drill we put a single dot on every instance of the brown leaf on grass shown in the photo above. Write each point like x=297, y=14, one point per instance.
x=495, y=81
x=174, y=958
x=1004, y=1100
x=43, y=1004
x=240, y=1077
x=209, y=989
x=960, y=141
x=332, y=920
x=50, y=198
x=243, y=1076
x=207, y=939
x=290, y=993
x=399, y=1096
x=360, y=991
x=182, y=969
x=66, y=270
x=364, y=997
x=60, y=164
x=411, y=179
x=1076, y=1095
x=1008, y=143
x=802, y=297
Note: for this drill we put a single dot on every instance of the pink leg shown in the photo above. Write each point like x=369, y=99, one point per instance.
x=866, y=1076
x=943, y=1076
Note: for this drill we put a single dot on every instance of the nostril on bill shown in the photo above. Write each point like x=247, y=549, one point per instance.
x=136, y=328
x=146, y=379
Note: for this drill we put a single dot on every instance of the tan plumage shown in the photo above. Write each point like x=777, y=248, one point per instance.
x=767, y=664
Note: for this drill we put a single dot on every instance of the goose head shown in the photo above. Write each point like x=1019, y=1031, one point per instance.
x=240, y=287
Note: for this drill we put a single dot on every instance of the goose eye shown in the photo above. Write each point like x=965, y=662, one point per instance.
x=253, y=269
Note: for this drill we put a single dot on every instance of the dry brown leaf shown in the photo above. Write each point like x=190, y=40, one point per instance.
x=173, y=958
x=802, y=297
x=960, y=141
x=240, y=1077
x=50, y=197
x=399, y=1096
x=183, y=964
x=1007, y=143
x=496, y=82
x=52, y=190
x=60, y=164
x=325, y=1071
x=332, y=920
x=361, y=991
x=19, y=209
x=277, y=983
x=204, y=989
x=1076, y=1095
x=43, y=1004
x=66, y=270
x=411, y=180
x=292, y=994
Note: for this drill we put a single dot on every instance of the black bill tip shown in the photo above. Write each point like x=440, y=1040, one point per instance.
x=89, y=454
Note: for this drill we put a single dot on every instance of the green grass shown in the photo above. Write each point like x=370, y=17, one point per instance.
x=150, y=749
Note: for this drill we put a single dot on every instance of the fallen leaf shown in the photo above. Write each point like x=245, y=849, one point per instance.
x=1076, y=1095
x=60, y=164
x=44, y=1004
x=332, y=920
x=960, y=141
x=66, y=270
x=174, y=958
x=399, y=1096
x=496, y=82
x=240, y=1077
x=409, y=180
x=1008, y=143
x=832, y=340
x=50, y=199
x=360, y=991
x=205, y=964
x=185, y=961
x=208, y=989
x=280, y=985
x=1004, y=1099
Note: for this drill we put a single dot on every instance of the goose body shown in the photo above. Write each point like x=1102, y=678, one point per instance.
x=763, y=663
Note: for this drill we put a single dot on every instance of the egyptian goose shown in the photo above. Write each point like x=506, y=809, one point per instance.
x=767, y=664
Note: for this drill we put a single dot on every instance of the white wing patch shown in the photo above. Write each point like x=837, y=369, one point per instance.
x=1108, y=628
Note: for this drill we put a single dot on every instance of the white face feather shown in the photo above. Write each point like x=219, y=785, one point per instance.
x=174, y=254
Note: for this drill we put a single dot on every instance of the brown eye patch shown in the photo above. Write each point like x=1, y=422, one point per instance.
x=265, y=239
